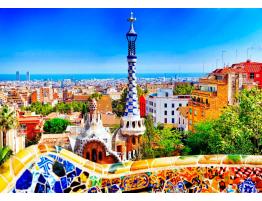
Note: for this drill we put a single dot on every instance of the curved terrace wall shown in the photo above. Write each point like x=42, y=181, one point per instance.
x=31, y=170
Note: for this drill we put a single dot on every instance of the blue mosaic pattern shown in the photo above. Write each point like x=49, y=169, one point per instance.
x=132, y=108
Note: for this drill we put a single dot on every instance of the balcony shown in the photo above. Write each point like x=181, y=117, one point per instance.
x=199, y=104
x=200, y=93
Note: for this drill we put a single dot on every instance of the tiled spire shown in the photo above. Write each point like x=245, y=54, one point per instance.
x=131, y=108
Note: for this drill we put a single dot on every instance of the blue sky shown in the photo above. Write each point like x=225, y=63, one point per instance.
x=93, y=40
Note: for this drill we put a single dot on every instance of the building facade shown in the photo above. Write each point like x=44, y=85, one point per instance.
x=220, y=89
x=95, y=141
x=164, y=106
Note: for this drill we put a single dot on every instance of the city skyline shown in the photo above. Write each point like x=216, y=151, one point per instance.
x=91, y=41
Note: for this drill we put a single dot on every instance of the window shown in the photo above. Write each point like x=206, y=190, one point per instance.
x=100, y=155
x=207, y=101
x=179, y=120
x=165, y=120
x=183, y=121
x=190, y=110
x=165, y=105
x=133, y=140
x=252, y=75
x=134, y=124
x=94, y=155
x=165, y=112
x=173, y=120
x=195, y=113
x=173, y=105
x=173, y=112
x=166, y=94
x=88, y=156
x=180, y=104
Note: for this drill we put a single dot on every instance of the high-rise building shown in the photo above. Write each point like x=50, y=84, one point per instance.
x=27, y=76
x=17, y=76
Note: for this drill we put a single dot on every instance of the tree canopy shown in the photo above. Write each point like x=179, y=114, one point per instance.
x=183, y=89
x=237, y=131
x=160, y=142
x=56, y=125
x=5, y=154
x=64, y=108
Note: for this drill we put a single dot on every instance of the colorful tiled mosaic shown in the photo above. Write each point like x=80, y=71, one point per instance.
x=40, y=169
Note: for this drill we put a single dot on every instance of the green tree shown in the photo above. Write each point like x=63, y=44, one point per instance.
x=183, y=89
x=198, y=140
x=96, y=96
x=170, y=141
x=5, y=154
x=8, y=121
x=56, y=125
x=236, y=131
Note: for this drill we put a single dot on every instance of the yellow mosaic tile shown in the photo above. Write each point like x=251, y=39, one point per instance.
x=25, y=156
x=89, y=165
x=140, y=165
x=17, y=165
x=6, y=171
x=253, y=160
x=188, y=160
x=3, y=184
x=162, y=162
x=211, y=159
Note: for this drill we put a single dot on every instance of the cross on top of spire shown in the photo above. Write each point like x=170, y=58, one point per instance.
x=131, y=19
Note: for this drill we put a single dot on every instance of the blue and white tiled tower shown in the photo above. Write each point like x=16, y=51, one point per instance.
x=132, y=123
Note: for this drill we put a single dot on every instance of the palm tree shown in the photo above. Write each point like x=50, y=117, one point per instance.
x=5, y=153
x=8, y=121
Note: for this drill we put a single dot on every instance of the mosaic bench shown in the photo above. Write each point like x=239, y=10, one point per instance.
x=43, y=169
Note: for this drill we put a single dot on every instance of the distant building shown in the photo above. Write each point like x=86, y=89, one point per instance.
x=252, y=71
x=220, y=89
x=182, y=118
x=17, y=76
x=164, y=106
x=28, y=76
x=30, y=124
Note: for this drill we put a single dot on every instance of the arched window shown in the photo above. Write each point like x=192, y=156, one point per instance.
x=94, y=155
x=88, y=156
x=134, y=124
x=133, y=140
x=100, y=156
x=139, y=124
x=127, y=124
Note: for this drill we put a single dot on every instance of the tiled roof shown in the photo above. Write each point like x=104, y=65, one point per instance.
x=104, y=104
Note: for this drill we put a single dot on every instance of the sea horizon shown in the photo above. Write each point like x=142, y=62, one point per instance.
x=98, y=76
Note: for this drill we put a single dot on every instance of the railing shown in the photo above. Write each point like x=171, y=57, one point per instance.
x=198, y=92
x=195, y=103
